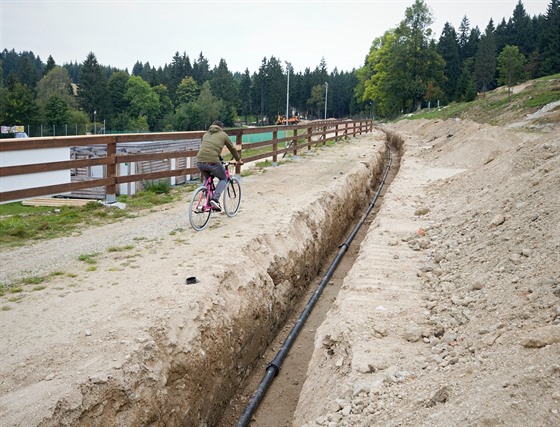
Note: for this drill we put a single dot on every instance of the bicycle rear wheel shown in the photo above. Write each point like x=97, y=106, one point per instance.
x=232, y=196
x=199, y=212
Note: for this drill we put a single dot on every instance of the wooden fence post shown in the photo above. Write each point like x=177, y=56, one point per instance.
x=275, y=147
x=111, y=189
x=239, y=148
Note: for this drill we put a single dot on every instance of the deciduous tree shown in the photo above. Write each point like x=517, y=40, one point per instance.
x=18, y=107
x=511, y=64
x=143, y=101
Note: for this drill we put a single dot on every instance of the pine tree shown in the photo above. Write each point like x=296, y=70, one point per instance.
x=50, y=65
x=485, y=61
x=245, y=95
x=225, y=87
x=551, y=39
x=521, y=30
x=448, y=48
x=201, y=70
x=57, y=111
x=92, y=88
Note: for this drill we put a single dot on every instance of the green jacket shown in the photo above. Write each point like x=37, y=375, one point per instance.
x=212, y=144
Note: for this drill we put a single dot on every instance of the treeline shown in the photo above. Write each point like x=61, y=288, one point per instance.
x=406, y=68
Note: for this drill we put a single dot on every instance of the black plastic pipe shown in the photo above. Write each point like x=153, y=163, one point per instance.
x=274, y=367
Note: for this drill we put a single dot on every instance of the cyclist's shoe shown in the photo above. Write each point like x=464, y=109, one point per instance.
x=215, y=205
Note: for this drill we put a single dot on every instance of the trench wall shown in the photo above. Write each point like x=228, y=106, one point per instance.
x=196, y=360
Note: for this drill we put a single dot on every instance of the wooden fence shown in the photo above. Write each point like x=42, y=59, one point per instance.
x=294, y=138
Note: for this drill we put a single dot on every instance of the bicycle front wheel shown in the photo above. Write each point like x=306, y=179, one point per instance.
x=232, y=196
x=199, y=212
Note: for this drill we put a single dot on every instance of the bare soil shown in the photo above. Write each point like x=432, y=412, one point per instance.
x=450, y=314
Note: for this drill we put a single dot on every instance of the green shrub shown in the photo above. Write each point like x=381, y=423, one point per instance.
x=158, y=187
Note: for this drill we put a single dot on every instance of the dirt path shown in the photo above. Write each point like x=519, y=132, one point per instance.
x=94, y=331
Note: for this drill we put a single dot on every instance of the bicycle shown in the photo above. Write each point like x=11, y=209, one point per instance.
x=200, y=209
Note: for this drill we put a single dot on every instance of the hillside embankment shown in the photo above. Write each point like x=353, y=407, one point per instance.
x=451, y=314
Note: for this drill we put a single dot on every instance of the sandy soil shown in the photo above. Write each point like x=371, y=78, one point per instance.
x=449, y=316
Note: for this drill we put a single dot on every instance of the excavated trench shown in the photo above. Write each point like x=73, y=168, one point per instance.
x=280, y=401
x=200, y=364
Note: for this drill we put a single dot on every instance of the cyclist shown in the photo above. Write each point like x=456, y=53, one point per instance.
x=209, y=159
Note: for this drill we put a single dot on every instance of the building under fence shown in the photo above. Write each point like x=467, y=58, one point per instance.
x=132, y=168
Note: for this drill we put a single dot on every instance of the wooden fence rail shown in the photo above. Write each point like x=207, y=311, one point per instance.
x=296, y=137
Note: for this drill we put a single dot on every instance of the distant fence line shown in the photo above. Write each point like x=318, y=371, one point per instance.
x=61, y=167
x=42, y=130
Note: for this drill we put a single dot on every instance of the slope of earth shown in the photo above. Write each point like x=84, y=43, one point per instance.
x=451, y=315
x=125, y=341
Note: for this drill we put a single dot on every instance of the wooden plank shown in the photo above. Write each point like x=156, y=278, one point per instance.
x=55, y=202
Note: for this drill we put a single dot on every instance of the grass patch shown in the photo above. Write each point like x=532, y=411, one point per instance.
x=496, y=107
x=120, y=248
x=88, y=258
x=177, y=230
x=157, y=187
x=542, y=99
x=21, y=224
x=33, y=280
x=264, y=164
x=38, y=281
x=6, y=308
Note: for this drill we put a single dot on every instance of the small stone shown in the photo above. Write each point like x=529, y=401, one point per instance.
x=412, y=333
x=421, y=211
x=497, y=220
x=547, y=335
x=440, y=396
x=477, y=285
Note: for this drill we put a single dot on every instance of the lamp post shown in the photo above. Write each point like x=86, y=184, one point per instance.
x=95, y=122
x=288, y=66
x=326, y=93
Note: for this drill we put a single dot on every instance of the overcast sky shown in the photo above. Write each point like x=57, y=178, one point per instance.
x=242, y=33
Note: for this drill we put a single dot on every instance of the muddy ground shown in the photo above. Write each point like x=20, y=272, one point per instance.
x=449, y=316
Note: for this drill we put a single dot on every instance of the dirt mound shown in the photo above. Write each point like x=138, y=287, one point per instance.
x=474, y=337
